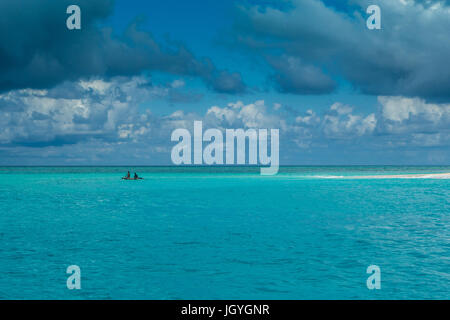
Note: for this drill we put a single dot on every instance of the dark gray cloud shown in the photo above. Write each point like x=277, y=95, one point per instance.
x=38, y=51
x=292, y=76
x=408, y=56
x=227, y=82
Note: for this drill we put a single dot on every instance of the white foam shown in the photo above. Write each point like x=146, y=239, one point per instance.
x=392, y=176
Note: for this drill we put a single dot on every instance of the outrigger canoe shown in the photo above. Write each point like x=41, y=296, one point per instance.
x=125, y=178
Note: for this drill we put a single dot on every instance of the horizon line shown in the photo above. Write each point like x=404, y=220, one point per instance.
x=236, y=166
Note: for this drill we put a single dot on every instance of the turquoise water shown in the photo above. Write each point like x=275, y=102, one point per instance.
x=223, y=233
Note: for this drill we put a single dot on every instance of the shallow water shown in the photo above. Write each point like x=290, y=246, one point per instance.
x=223, y=233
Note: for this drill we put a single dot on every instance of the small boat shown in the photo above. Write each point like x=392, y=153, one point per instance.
x=126, y=178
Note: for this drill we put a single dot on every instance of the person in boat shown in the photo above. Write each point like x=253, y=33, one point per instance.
x=136, y=176
x=128, y=175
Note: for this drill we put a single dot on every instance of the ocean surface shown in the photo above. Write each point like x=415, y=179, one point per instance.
x=224, y=233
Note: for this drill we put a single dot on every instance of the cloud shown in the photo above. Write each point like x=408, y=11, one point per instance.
x=399, y=122
x=400, y=109
x=292, y=76
x=226, y=82
x=412, y=121
x=240, y=115
x=100, y=121
x=339, y=122
x=309, y=119
x=430, y=3
x=39, y=51
x=109, y=110
x=76, y=111
x=407, y=57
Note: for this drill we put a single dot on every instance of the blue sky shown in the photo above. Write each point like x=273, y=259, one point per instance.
x=112, y=92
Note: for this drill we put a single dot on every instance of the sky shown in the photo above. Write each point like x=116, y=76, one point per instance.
x=113, y=92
